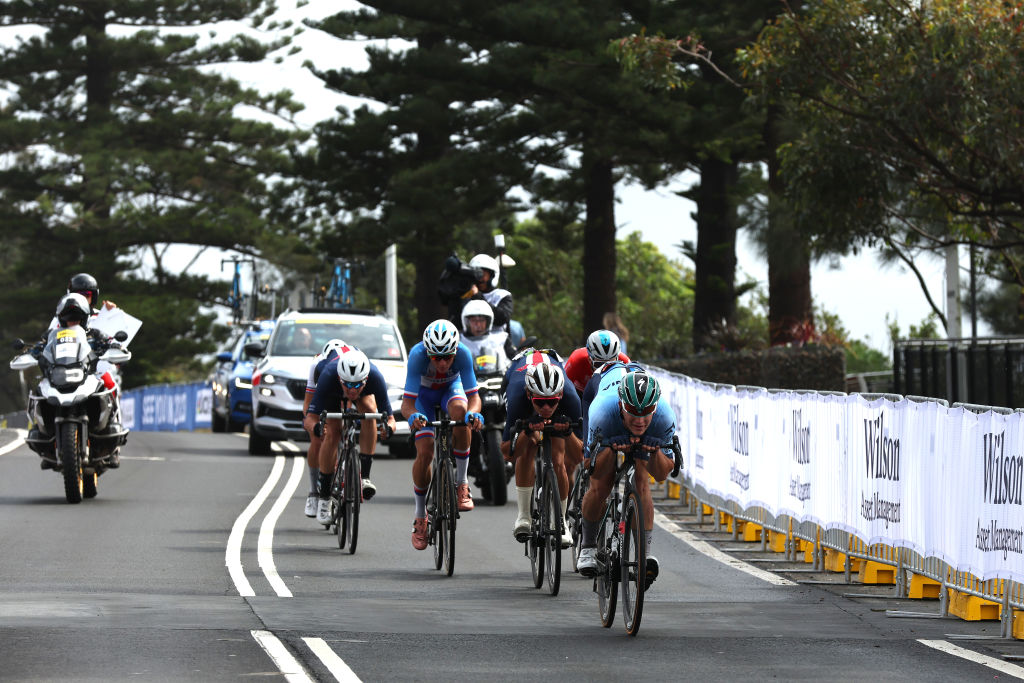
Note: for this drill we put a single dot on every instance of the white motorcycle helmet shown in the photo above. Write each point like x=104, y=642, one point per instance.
x=73, y=309
x=477, y=307
x=487, y=263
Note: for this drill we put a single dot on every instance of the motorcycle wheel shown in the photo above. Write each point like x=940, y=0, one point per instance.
x=71, y=463
x=497, y=483
x=89, y=482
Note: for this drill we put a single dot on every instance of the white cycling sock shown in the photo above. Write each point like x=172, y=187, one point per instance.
x=421, y=502
x=647, y=536
x=523, y=494
x=461, y=466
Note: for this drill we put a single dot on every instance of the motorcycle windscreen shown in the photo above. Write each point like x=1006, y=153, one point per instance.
x=67, y=346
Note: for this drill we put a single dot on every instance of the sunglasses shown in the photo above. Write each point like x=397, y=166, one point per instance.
x=441, y=356
x=639, y=413
x=353, y=385
x=545, y=401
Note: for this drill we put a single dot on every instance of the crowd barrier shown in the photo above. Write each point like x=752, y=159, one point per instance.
x=168, y=407
x=902, y=490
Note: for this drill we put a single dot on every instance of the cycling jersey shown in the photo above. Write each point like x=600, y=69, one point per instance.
x=329, y=394
x=420, y=375
x=607, y=376
x=579, y=369
x=318, y=364
x=518, y=405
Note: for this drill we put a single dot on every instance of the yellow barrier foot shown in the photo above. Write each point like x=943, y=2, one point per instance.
x=923, y=588
x=1018, y=624
x=835, y=561
x=673, y=490
x=876, y=573
x=777, y=542
x=807, y=548
x=972, y=608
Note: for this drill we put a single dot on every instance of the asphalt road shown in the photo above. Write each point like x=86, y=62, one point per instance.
x=136, y=585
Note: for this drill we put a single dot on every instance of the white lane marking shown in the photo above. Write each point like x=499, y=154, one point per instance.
x=715, y=554
x=335, y=664
x=233, y=555
x=288, y=665
x=977, y=657
x=18, y=441
x=265, y=545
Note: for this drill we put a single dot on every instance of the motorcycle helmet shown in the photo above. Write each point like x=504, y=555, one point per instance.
x=477, y=307
x=441, y=338
x=486, y=263
x=639, y=393
x=353, y=366
x=545, y=380
x=602, y=346
x=83, y=282
x=73, y=309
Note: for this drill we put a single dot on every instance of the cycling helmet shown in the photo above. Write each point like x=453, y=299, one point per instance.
x=545, y=380
x=441, y=338
x=639, y=393
x=477, y=307
x=353, y=366
x=83, y=282
x=73, y=309
x=602, y=346
x=338, y=345
x=487, y=263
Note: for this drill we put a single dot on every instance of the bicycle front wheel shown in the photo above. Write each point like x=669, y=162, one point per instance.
x=574, y=512
x=633, y=563
x=353, y=499
x=552, y=530
x=446, y=495
x=606, y=583
x=536, y=534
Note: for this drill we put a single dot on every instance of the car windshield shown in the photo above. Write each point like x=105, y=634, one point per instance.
x=307, y=336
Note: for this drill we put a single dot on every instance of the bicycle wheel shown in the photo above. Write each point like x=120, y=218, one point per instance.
x=434, y=514
x=606, y=584
x=574, y=512
x=353, y=499
x=552, y=532
x=337, y=490
x=536, y=535
x=446, y=493
x=633, y=563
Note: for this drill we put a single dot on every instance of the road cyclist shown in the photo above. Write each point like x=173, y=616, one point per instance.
x=332, y=348
x=536, y=390
x=440, y=375
x=350, y=380
x=630, y=414
x=603, y=346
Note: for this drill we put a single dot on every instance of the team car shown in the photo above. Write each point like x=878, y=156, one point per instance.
x=279, y=379
x=231, y=380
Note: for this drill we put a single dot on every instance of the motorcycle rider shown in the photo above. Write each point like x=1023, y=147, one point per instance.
x=477, y=327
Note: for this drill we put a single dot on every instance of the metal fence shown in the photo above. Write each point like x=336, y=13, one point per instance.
x=986, y=371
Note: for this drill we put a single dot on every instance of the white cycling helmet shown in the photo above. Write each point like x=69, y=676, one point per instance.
x=602, y=346
x=477, y=307
x=441, y=338
x=487, y=263
x=353, y=366
x=338, y=345
x=545, y=380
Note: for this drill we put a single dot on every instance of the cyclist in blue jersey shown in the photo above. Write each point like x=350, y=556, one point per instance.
x=350, y=380
x=539, y=396
x=607, y=375
x=440, y=374
x=330, y=351
x=624, y=414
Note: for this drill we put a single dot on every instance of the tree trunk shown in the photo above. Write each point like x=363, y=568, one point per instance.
x=714, y=306
x=599, y=260
x=790, y=314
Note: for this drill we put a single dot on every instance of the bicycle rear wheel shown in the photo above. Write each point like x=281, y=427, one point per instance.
x=606, y=583
x=353, y=499
x=633, y=563
x=551, y=529
x=574, y=512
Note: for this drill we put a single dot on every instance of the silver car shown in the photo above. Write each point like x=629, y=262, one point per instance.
x=280, y=376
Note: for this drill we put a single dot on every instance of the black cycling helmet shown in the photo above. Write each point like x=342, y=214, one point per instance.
x=82, y=283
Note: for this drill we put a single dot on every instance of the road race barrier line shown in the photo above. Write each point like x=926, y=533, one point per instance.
x=19, y=439
x=904, y=491
x=286, y=663
x=265, y=544
x=233, y=554
x=330, y=659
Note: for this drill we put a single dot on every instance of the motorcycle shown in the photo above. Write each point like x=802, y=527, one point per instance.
x=486, y=463
x=76, y=431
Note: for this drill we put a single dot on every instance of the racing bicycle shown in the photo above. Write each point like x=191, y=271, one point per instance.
x=442, y=509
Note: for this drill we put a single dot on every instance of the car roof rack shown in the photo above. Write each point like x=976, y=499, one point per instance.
x=328, y=309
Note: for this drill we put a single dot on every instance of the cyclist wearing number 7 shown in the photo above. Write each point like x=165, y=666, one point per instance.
x=440, y=374
x=628, y=414
x=348, y=380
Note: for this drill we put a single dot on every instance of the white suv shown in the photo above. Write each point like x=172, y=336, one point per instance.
x=279, y=378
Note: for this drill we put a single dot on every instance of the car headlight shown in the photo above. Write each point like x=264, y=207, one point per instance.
x=268, y=379
x=266, y=392
x=242, y=384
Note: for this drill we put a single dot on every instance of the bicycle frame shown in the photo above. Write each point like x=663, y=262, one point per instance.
x=442, y=510
x=339, y=294
x=347, y=490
